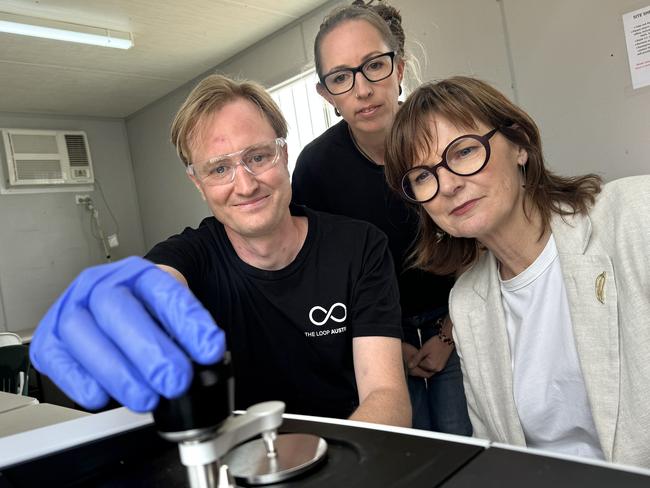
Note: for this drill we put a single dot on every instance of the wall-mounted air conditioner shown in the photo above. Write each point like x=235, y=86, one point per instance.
x=47, y=157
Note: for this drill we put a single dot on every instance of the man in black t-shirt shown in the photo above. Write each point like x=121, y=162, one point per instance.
x=291, y=330
x=308, y=301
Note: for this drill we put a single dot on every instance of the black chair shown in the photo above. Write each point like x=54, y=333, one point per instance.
x=14, y=369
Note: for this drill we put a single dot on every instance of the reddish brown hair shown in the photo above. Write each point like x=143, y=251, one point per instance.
x=465, y=101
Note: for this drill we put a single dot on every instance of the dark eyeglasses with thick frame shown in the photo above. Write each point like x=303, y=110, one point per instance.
x=373, y=69
x=465, y=162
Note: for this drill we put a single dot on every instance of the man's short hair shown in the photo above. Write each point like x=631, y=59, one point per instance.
x=209, y=96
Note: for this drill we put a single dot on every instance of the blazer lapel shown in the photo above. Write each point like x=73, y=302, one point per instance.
x=493, y=354
x=591, y=291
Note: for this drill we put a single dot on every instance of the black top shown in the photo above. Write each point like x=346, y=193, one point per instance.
x=290, y=331
x=331, y=175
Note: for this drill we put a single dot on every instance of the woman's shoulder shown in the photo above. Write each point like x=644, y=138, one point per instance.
x=619, y=215
x=629, y=195
x=336, y=133
x=335, y=137
x=629, y=187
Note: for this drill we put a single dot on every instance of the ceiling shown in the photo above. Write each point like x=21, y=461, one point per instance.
x=175, y=41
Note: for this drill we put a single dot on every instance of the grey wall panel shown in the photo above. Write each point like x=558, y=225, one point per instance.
x=463, y=37
x=263, y=63
x=572, y=75
x=168, y=200
x=46, y=238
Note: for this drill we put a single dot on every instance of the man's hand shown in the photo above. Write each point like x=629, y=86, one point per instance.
x=125, y=330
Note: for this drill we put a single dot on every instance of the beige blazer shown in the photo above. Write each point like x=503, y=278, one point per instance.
x=611, y=328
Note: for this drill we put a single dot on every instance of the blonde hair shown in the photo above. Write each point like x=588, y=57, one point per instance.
x=210, y=95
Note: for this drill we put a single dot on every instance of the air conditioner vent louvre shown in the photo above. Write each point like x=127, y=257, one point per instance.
x=40, y=169
x=76, y=145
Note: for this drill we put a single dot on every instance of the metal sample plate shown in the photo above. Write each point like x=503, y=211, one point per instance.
x=296, y=453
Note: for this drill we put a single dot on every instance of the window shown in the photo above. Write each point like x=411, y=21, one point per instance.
x=308, y=114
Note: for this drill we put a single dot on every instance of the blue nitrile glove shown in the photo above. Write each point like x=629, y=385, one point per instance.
x=104, y=336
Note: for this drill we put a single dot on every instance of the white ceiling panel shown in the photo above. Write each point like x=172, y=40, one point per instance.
x=174, y=42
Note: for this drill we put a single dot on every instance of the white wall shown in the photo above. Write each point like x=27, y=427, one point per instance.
x=457, y=37
x=572, y=75
x=564, y=61
x=46, y=240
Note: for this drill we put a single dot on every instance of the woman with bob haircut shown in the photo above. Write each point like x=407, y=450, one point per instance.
x=551, y=312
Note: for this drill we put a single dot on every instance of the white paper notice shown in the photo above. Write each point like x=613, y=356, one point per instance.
x=637, y=37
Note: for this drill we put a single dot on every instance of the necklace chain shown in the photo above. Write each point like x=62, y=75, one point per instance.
x=359, y=148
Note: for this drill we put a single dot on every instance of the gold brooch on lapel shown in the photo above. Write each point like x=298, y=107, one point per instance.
x=600, y=287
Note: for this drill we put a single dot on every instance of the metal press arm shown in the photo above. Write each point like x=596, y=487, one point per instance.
x=202, y=457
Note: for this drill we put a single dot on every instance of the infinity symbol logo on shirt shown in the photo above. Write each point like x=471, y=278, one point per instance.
x=328, y=313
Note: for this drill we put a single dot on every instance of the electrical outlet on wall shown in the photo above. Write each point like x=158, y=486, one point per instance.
x=81, y=199
x=112, y=240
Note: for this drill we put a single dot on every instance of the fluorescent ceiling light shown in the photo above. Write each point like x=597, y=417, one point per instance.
x=64, y=31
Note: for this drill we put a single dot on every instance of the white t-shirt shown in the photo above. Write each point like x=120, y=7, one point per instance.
x=548, y=385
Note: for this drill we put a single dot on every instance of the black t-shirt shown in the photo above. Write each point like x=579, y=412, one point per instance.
x=331, y=175
x=290, y=331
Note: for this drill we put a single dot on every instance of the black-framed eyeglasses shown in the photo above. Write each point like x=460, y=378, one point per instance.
x=256, y=159
x=374, y=69
x=464, y=156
